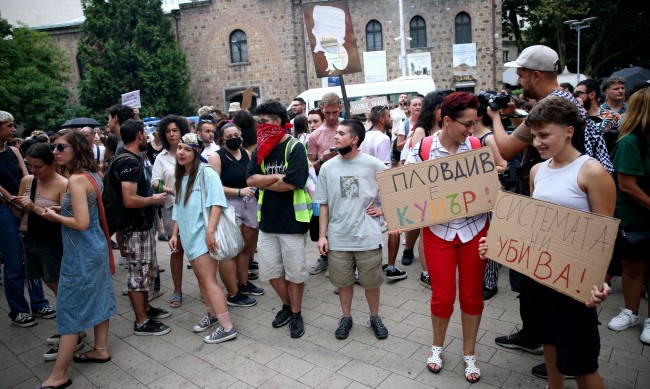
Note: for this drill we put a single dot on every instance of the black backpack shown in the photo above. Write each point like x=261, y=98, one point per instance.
x=113, y=203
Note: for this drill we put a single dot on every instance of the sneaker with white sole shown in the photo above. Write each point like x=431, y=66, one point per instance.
x=54, y=339
x=45, y=312
x=206, y=322
x=395, y=274
x=24, y=320
x=219, y=335
x=624, y=320
x=158, y=313
x=319, y=267
x=150, y=327
x=53, y=352
x=645, y=335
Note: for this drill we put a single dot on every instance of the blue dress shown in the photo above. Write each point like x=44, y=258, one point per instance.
x=86, y=296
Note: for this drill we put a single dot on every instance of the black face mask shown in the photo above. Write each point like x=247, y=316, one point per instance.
x=346, y=149
x=233, y=143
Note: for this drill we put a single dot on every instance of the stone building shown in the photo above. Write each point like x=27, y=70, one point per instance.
x=231, y=45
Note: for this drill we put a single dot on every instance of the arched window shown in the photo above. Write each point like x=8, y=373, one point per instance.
x=418, y=32
x=463, y=28
x=238, y=47
x=374, y=38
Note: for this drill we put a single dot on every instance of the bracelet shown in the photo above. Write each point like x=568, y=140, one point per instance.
x=239, y=192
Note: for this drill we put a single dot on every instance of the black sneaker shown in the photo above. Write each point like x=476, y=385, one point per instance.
x=54, y=339
x=345, y=324
x=541, y=372
x=488, y=293
x=514, y=341
x=252, y=275
x=425, y=279
x=407, y=257
x=150, y=327
x=381, y=332
x=282, y=317
x=157, y=313
x=396, y=274
x=24, y=320
x=45, y=313
x=296, y=325
x=253, y=265
x=240, y=300
x=251, y=289
x=53, y=352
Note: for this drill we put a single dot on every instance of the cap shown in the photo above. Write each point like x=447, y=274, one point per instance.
x=538, y=57
x=234, y=107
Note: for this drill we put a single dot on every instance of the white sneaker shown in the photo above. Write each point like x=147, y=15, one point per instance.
x=624, y=320
x=645, y=335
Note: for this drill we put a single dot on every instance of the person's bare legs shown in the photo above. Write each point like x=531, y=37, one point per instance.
x=439, y=326
x=281, y=289
x=176, y=265
x=410, y=237
x=100, y=349
x=345, y=296
x=59, y=374
x=54, y=287
x=295, y=295
x=372, y=295
x=393, y=247
x=633, y=277
x=555, y=378
x=249, y=234
x=205, y=270
x=470, y=325
x=252, y=247
x=590, y=381
x=140, y=304
x=228, y=273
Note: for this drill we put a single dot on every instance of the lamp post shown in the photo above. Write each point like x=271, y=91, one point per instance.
x=579, y=25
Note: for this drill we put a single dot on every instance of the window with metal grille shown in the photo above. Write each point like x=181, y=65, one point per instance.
x=374, y=38
x=238, y=47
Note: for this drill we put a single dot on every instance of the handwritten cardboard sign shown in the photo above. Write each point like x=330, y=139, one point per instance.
x=562, y=248
x=439, y=190
x=132, y=99
x=365, y=105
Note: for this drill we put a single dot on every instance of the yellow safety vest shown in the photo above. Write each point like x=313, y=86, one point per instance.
x=302, y=206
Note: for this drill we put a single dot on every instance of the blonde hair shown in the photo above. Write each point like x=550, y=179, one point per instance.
x=5, y=116
x=330, y=99
x=637, y=114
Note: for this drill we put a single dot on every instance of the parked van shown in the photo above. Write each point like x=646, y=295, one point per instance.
x=410, y=85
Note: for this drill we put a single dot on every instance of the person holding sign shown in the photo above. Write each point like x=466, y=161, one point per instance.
x=452, y=245
x=567, y=328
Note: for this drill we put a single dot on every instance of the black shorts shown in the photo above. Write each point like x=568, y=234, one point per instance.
x=42, y=259
x=313, y=229
x=568, y=325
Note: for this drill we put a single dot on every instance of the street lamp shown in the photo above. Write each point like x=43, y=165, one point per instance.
x=579, y=25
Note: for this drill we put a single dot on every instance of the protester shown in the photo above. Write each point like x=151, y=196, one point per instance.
x=206, y=132
x=567, y=328
x=279, y=168
x=246, y=123
x=85, y=295
x=199, y=239
x=349, y=232
x=630, y=158
x=315, y=119
x=301, y=129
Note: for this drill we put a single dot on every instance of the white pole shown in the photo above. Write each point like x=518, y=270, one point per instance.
x=402, y=40
x=578, y=76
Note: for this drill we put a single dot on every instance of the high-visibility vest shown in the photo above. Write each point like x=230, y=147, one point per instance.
x=302, y=205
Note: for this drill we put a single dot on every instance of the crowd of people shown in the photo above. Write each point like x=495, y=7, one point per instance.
x=290, y=175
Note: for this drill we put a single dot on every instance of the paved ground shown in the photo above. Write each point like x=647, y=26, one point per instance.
x=265, y=357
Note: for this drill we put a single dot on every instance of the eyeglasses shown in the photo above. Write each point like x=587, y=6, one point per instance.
x=467, y=125
x=578, y=93
x=60, y=147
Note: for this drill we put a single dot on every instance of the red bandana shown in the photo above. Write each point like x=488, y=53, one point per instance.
x=268, y=136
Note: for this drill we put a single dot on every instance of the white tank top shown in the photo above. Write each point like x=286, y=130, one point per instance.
x=560, y=185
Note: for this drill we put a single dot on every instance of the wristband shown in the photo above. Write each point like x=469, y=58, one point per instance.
x=239, y=192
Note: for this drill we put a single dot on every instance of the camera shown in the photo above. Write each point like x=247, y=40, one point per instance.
x=499, y=100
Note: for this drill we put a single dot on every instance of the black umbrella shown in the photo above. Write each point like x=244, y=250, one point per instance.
x=632, y=76
x=81, y=122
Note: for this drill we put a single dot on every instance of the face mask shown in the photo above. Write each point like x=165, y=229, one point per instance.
x=233, y=143
x=346, y=149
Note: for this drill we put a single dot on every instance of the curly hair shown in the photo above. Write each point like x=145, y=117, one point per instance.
x=180, y=122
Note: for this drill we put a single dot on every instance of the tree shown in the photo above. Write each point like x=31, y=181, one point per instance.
x=129, y=45
x=32, y=72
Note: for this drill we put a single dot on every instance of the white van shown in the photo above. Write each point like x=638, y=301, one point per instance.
x=410, y=85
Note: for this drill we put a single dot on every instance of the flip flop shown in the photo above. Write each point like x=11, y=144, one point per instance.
x=64, y=385
x=84, y=358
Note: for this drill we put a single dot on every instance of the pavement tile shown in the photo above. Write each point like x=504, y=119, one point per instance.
x=364, y=373
x=290, y=365
x=323, y=378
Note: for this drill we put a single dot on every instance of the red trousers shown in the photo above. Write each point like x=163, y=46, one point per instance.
x=443, y=257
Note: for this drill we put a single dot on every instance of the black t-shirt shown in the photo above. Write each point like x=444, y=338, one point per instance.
x=152, y=153
x=10, y=171
x=278, y=215
x=132, y=170
x=233, y=171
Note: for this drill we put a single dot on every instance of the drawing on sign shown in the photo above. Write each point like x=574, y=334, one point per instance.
x=563, y=248
x=329, y=30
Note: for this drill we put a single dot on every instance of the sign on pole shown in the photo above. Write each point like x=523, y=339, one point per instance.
x=563, y=248
x=365, y=105
x=439, y=190
x=131, y=99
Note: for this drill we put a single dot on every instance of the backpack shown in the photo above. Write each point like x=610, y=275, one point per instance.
x=113, y=203
x=426, y=142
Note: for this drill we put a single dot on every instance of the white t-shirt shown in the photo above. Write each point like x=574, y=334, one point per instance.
x=209, y=150
x=349, y=187
x=377, y=144
x=397, y=114
x=98, y=153
x=163, y=169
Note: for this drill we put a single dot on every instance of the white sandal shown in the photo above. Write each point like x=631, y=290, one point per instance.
x=470, y=362
x=435, y=358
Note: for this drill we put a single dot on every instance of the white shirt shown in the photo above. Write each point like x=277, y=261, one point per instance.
x=209, y=150
x=163, y=169
x=377, y=144
x=466, y=228
x=98, y=153
x=397, y=114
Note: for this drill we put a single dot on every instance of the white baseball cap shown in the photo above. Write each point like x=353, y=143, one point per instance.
x=537, y=57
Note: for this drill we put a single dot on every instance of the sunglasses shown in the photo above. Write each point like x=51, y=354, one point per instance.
x=60, y=147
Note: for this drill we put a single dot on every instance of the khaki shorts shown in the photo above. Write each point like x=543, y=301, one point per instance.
x=282, y=255
x=341, y=266
x=140, y=247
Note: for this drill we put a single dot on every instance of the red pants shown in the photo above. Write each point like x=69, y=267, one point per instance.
x=442, y=259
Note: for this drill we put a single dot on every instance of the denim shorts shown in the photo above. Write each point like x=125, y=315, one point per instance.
x=42, y=259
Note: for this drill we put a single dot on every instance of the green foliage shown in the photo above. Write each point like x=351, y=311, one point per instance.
x=32, y=73
x=129, y=45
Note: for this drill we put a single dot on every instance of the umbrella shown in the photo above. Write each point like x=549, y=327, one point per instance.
x=81, y=122
x=632, y=76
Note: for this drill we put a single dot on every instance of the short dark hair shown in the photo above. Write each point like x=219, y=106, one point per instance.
x=130, y=130
x=41, y=151
x=592, y=86
x=180, y=122
x=567, y=86
x=122, y=112
x=376, y=113
x=205, y=119
x=356, y=129
x=300, y=100
x=558, y=110
x=273, y=108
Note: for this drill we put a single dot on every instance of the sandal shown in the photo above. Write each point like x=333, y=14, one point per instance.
x=470, y=362
x=435, y=358
x=176, y=301
x=85, y=358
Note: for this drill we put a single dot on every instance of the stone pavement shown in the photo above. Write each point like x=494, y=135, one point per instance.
x=264, y=357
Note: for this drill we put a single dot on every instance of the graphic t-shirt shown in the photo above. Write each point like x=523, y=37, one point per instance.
x=132, y=170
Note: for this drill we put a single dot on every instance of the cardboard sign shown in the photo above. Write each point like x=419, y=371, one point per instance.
x=131, y=99
x=332, y=40
x=439, y=190
x=563, y=248
x=365, y=105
